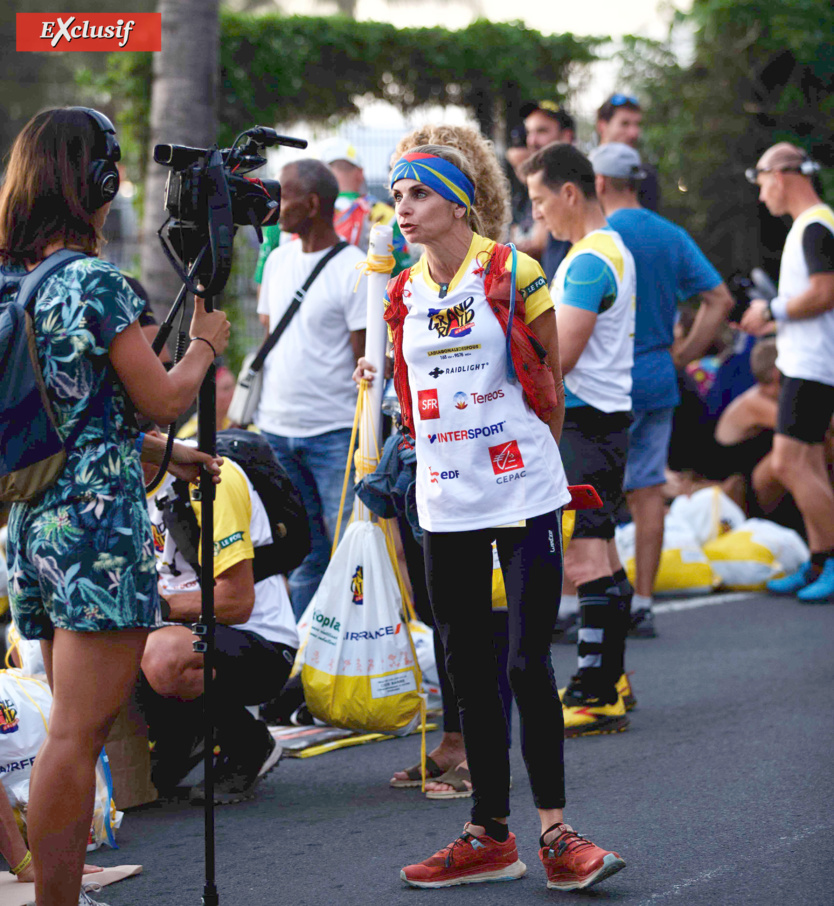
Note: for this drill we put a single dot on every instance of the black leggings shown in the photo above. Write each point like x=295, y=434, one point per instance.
x=459, y=578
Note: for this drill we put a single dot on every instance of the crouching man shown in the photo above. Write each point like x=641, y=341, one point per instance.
x=256, y=638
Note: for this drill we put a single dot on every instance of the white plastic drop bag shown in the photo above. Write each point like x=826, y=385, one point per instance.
x=360, y=669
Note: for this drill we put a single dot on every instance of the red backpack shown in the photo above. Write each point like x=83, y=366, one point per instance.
x=529, y=357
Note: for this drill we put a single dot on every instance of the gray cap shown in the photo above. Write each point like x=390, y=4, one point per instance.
x=617, y=160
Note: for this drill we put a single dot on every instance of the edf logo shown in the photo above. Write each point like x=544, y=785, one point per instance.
x=427, y=404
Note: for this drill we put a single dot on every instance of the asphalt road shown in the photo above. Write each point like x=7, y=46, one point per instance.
x=719, y=793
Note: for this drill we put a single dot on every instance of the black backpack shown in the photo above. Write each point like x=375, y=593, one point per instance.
x=284, y=508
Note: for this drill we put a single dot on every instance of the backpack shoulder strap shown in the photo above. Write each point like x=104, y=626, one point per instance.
x=32, y=282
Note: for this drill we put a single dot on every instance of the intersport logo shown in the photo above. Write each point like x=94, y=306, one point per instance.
x=104, y=32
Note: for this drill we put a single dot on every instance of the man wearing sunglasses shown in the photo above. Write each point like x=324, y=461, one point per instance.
x=620, y=119
x=803, y=314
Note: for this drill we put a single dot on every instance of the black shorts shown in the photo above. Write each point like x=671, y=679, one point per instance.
x=250, y=669
x=805, y=409
x=594, y=448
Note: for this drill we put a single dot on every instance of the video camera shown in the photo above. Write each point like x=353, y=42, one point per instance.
x=207, y=197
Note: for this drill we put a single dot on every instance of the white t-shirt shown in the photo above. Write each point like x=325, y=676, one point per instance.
x=484, y=458
x=307, y=387
x=240, y=526
x=601, y=376
x=805, y=347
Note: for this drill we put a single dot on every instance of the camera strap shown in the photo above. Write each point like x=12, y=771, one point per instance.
x=289, y=314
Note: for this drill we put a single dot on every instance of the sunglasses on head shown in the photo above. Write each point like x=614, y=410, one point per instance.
x=617, y=100
x=806, y=167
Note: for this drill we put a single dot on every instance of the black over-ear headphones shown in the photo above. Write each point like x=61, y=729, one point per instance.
x=103, y=175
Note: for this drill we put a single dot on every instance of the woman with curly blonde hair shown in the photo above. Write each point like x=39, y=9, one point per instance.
x=478, y=376
x=491, y=212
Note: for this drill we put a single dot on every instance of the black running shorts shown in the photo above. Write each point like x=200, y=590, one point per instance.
x=805, y=409
x=594, y=448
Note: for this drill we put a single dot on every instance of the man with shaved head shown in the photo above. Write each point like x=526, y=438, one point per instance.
x=803, y=313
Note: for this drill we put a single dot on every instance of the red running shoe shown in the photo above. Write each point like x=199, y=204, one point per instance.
x=468, y=860
x=572, y=862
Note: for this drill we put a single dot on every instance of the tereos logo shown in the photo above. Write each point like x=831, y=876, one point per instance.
x=357, y=586
x=460, y=400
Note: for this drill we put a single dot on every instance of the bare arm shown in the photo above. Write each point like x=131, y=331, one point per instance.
x=816, y=300
x=164, y=395
x=716, y=305
x=264, y=319
x=745, y=417
x=357, y=344
x=234, y=597
x=546, y=331
x=575, y=326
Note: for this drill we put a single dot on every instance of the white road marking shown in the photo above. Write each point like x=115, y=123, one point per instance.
x=679, y=888
x=703, y=601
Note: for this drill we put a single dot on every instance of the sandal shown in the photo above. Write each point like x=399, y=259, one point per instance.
x=457, y=778
x=415, y=775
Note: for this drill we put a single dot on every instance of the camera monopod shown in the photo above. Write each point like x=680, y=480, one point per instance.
x=207, y=198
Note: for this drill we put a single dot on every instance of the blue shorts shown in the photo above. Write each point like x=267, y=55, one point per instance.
x=648, y=448
x=80, y=567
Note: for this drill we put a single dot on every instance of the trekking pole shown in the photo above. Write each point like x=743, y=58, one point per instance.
x=205, y=629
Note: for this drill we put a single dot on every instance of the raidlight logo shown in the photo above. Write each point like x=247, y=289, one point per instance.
x=104, y=32
x=357, y=586
x=448, y=437
x=436, y=372
x=448, y=475
x=506, y=457
x=427, y=404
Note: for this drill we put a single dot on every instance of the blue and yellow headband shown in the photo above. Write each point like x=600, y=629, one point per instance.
x=443, y=177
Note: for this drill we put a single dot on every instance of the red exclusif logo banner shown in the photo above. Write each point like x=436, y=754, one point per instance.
x=89, y=31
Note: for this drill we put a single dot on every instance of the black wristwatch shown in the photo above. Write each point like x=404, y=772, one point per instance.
x=768, y=310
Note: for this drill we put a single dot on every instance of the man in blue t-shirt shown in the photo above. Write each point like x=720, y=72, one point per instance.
x=670, y=268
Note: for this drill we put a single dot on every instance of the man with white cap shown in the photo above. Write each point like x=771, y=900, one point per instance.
x=670, y=268
x=803, y=314
x=357, y=211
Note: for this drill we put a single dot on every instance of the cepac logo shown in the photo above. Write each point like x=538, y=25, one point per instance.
x=9, y=722
x=460, y=400
x=104, y=32
x=357, y=586
x=427, y=404
x=448, y=437
x=456, y=321
x=506, y=457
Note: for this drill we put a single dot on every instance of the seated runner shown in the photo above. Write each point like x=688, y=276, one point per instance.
x=256, y=642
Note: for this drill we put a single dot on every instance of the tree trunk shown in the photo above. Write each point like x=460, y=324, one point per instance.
x=183, y=112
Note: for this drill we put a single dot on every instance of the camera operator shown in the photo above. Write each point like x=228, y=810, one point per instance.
x=256, y=641
x=81, y=553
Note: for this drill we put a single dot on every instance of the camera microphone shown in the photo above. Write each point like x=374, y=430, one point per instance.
x=269, y=137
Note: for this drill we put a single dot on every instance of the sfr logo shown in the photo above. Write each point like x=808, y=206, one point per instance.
x=427, y=404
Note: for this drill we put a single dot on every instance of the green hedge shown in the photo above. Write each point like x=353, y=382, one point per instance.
x=277, y=69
